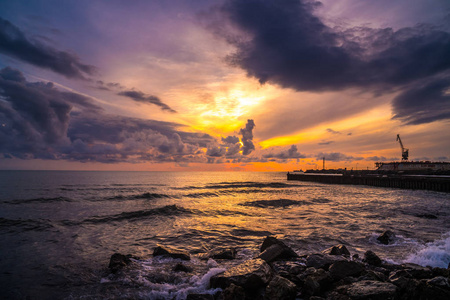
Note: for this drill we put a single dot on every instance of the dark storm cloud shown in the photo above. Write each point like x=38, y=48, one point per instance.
x=284, y=43
x=39, y=121
x=247, y=137
x=14, y=43
x=292, y=152
x=143, y=98
x=336, y=157
x=231, y=140
x=424, y=103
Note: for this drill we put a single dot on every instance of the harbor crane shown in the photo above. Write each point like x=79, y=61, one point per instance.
x=405, y=152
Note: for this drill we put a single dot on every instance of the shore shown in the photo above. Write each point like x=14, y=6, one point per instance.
x=278, y=272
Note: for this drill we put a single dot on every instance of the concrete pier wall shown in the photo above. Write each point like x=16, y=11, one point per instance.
x=441, y=184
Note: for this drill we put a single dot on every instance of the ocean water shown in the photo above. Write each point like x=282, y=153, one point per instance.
x=58, y=229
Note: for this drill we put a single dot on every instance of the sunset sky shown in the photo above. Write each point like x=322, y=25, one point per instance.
x=255, y=85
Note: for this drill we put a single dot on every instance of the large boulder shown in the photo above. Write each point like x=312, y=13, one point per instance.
x=274, y=249
x=387, y=237
x=371, y=258
x=252, y=274
x=418, y=271
x=343, y=268
x=337, y=250
x=374, y=290
x=316, y=282
x=280, y=288
x=170, y=252
x=322, y=261
x=118, y=261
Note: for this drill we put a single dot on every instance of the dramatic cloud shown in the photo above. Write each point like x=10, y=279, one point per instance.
x=336, y=157
x=284, y=43
x=424, y=103
x=247, y=137
x=143, y=98
x=14, y=43
x=39, y=121
x=292, y=152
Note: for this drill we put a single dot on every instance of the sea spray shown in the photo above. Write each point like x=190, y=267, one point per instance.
x=434, y=254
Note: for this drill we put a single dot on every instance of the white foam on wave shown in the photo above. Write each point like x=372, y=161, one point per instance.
x=434, y=254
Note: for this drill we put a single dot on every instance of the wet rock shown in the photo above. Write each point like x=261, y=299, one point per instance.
x=322, y=261
x=386, y=237
x=279, y=250
x=317, y=282
x=229, y=253
x=200, y=297
x=432, y=290
x=341, y=269
x=337, y=250
x=252, y=274
x=118, y=261
x=418, y=271
x=439, y=281
x=440, y=272
x=371, y=258
x=179, y=267
x=170, y=252
x=373, y=275
x=275, y=252
x=233, y=292
x=280, y=288
x=374, y=290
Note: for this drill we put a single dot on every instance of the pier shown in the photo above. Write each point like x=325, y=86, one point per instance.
x=415, y=182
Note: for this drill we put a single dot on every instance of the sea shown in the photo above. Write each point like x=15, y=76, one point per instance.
x=58, y=229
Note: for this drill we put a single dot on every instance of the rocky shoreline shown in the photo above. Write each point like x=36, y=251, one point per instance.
x=278, y=272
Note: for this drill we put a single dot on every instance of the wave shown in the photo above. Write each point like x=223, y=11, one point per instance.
x=40, y=200
x=434, y=254
x=274, y=203
x=201, y=195
x=237, y=185
x=248, y=184
x=140, y=196
x=168, y=210
x=24, y=225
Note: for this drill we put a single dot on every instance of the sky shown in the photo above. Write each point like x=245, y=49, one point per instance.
x=230, y=85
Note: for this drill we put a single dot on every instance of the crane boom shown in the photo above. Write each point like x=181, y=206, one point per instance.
x=405, y=152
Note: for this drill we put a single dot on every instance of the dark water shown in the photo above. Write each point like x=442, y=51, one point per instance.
x=59, y=229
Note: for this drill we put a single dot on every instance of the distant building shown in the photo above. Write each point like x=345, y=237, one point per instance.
x=413, y=166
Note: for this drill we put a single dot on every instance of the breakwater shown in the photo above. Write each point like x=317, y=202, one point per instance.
x=416, y=182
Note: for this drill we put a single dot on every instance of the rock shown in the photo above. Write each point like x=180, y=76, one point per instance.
x=229, y=253
x=386, y=237
x=179, y=267
x=374, y=290
x=439, y=281
x=337, y=250
x=233, y=292
x=285, y=251
x=317, y=282
x=170, y=252
x=118, y=261
x=433, y=291
x=252, y=274
x=275, y=252
x=418, y=271
x=341, y=269
x=280, y=288
x=322, y=261
x=200, y=297
x=371, y=258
